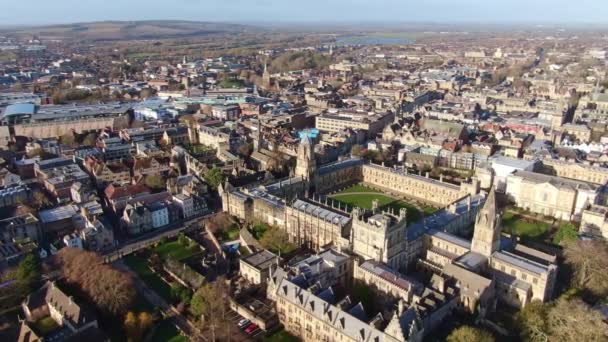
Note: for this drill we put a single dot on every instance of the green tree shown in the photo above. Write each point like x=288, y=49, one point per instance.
x=156, y=182
x=532, y=322
x=470, y=334
x=276, y=240
x=29, y=272
x=214, y=177
x=567, y=233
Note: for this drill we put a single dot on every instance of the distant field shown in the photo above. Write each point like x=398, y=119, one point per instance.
x=119, y=30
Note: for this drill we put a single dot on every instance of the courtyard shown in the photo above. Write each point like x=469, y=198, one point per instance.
x=361, y=196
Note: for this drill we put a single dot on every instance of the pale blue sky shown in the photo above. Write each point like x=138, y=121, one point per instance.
x=27, y=12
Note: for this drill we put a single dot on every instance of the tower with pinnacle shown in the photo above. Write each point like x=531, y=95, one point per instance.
x=266, y=82
x=486, y=237
x=306, y=164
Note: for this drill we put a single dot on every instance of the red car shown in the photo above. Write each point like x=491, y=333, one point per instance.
x=251, y=328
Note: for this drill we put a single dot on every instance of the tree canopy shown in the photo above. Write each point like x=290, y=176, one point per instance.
x=470, y=334
x=29, y=272
x=111, y=290
x=214, y=177
x=589, y=260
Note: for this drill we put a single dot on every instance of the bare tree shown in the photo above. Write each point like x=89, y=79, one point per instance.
x=573, y=321
x=589, y=259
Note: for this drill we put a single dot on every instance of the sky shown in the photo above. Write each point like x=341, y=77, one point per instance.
x=33, y=12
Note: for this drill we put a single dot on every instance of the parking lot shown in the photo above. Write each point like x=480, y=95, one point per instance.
x=242, y=335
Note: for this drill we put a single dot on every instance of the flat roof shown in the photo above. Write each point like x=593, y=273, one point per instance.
x=261, y=260
x=57, y=214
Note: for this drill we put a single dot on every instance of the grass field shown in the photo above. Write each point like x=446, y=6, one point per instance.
x=524, y=227
x=140, y=266
x=365, y=201
x=173, y=250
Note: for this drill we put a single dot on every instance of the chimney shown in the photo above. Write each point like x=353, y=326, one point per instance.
x=400, y=307
x=427, y=174
x=441, y=177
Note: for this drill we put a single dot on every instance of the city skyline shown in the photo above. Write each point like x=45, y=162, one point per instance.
x=314, y=11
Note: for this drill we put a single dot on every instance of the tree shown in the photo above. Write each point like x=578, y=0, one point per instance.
x=356, y=151
x=40, y=200
x=470, y=334
x=214, y=177
x=276, y=240
x=67, y=139
x=145, y=321
x=136, y=325
x=219, y=222
x=573, y=321
x=589, y=260
x=29, y=272
x=244, y=150
x=155, y=182
x=147, y=92
x=111, y=290
x=567, y=233
x=532, y=322
x=131, y=325
x=210, y=304
x=90, y=139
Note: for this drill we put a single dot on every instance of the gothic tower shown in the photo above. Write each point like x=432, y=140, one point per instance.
x=486, y=237
x=306, y=163
x=266, y=81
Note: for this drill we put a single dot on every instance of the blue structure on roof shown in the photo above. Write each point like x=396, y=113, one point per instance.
x=312, y=133
x=19, y=109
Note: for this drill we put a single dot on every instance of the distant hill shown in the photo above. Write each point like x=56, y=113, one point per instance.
x=127, y=30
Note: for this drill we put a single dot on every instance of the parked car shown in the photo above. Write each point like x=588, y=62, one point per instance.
x=243, y=323
x=251, y=328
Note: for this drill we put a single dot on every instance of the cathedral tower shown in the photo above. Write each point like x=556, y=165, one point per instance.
x=486, y=237
x=306, y=164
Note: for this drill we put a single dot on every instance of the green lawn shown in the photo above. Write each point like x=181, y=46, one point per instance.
x=385, y=202
x=281, y=336
x=173, y=250
x=524, y=227
x=167, y=332
x=45, y=325
x=358, y=188
x=140, y=266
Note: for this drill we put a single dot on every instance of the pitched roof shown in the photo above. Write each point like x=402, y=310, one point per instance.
x=51, y=294
x=114, y=192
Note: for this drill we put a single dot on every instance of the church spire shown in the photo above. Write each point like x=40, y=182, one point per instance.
x=486, y=237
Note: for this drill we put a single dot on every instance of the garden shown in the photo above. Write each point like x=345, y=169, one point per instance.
x=151, y=265
x=365, y=200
